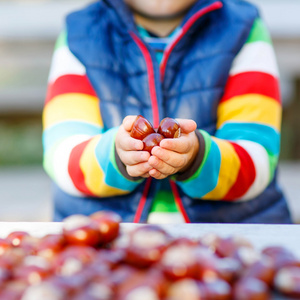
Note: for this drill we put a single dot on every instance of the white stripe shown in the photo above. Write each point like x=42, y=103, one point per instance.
x=61, y=161
x=165, y=218
x=260, y=159
x=255, y=57
x=64, y=62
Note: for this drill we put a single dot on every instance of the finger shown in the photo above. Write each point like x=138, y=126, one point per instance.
x=126, y=142
x=156, y=174
x=128, y=122
x=161, y=166
x=138, y=169
x=179, y=145
x=172, y=159
x=131, y=158
x=187, y=125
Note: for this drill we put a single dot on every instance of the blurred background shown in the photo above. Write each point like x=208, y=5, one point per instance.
x=28, y=30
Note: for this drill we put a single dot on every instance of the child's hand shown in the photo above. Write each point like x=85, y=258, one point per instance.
x=128, y=149
x=175, y=155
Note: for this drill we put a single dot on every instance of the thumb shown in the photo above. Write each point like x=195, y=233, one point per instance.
x=187, y=126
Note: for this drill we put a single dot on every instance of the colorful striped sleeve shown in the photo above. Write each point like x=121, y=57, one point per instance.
x=78, y=154
x=240, y=160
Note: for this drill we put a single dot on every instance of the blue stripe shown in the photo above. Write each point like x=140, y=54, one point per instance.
x=66, y=129
x=267, y=136
x=208, y=177
x=103, y=151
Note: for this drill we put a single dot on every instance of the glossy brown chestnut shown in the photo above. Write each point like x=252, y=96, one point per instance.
x=108, y=225
x=152, y=140
x=141, y=128
x=146, y=245
x=287, y=282
x=169, y=128
x=251, y=289
x=81, y=230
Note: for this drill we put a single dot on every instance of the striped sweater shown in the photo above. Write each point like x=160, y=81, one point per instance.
x=238, y=163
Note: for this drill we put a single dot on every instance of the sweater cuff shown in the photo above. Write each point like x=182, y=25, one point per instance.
x=197, y=162
x=122, y=168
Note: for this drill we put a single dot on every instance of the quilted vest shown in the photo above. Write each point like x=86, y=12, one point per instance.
x=189, y=84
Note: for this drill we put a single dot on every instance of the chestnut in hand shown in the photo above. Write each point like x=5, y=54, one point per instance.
x=169, y=128
x=141, y=128
x=151, y=141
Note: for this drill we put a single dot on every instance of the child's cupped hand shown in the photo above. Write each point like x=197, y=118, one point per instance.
x=175, y=155
x=129, y=150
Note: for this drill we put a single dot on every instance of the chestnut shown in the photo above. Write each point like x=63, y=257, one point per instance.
x=250, y=289
x=81, y=230
x=186, y=289
x=228, y=269
x=146, y=245
x=287, y=281
x=16, y=237
x=218, y=289
x=141, y=128
x=263, y=269
x=43, y=290
x=169, y=128
x=108, y=224
x=179, y=261
x=152, y=140
x=226, y=247
x=50, y=244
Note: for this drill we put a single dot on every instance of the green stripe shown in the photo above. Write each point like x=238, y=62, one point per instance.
x=48, y=160
x=259, y=32
x=207, y=141
x=273, y=161
x=61, y=40
x=164, y=202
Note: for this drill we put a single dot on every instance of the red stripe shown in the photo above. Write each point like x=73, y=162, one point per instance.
x=185, y=28
x=70, y=84
x=75, y=171
x=252, y=83
x=151, y=78
x=179, y=201
x=142, y=202
x=245, y=176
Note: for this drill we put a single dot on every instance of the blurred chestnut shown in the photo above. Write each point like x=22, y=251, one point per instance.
x=73, y=259
x=186, y=289
x=217, y=289
x=51, y=244
x=287, y=281
x=251, y=289
x=16, y=237
x=43, y=290
x=151, y=141
x=228, y=269
x=108, y=224
x=281, y=257
x=169, y=128
x=141, y=128
x=225, y=247
x=146, y=245
x=263, y=269
x=81, y=230
x=179, y=261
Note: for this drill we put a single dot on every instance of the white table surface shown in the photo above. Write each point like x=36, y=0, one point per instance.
x=259, y=235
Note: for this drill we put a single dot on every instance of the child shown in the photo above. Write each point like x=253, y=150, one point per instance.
x=208, y=63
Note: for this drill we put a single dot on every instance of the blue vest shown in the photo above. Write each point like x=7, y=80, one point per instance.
x=127, y=78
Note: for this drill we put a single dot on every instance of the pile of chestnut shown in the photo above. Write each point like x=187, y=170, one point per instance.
x=93, y=258
x=143, y=130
